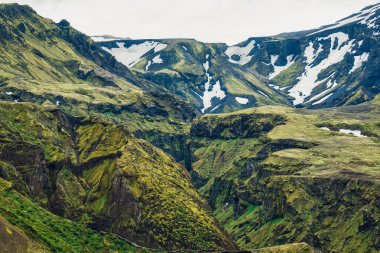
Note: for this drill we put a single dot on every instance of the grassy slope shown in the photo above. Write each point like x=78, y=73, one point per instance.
x=288, y=248
x=264, y=187
x=39, y=66
x=45, y=232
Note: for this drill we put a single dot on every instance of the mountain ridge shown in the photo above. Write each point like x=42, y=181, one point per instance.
x=266, y=64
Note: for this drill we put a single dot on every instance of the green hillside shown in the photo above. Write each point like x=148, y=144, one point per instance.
x=98, y=174
x=274, y=175
x=37, y=230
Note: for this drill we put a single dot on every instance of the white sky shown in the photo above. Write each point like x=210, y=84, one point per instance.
x=229, y=21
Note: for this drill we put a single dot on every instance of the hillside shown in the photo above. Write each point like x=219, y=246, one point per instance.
x=71, y=121
x=99, y=175
x=274, y=175
x=47, y=63
x=37, y=230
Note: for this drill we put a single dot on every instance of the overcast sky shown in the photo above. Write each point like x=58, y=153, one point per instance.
x=229, y=21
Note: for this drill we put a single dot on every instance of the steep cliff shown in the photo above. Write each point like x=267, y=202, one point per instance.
x=98, y=174
x=278, y=175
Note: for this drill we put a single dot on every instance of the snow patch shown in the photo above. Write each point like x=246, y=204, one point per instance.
x=323, y=99
x=364, y=17
x=241, y=100
x=159, y=47
x=308, y=80
x=206, y=66
x=273, y=59
x=148, y=65
x=276, y=87
x=310, y=54
x=325, y=128
x=262, y=93
x=356, y=133
x=358, y=62
x=216, y=107
x=196, y=93
x=157, y=59
x=129, y=56
x=242, y=52
x=185, y=48
x=290, y=60
x=208, y=95
x=9, y=93
x=211, y=91
x=331, y=84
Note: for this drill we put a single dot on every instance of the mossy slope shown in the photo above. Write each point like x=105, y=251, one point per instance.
x=53, y=64
x=98, y=174
x=292, y=181
x=35, y=229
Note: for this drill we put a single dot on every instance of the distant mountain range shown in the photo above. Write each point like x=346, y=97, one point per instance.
x=331, y=66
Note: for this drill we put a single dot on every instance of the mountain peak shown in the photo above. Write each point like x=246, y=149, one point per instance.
x=16, y=10
x=367, y=16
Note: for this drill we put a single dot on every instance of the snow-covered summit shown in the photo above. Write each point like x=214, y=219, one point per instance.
x=367, y=16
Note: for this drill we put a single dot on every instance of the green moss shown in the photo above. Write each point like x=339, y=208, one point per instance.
x=284, y=184
x=289, y=76
x=289, y=248
x=4, y=185
x=58, y=234
x=108, y=179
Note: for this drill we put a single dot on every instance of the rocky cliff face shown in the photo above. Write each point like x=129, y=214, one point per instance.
x=334, y=65
x=27, y=227
x=100, y=175
x=291, y=176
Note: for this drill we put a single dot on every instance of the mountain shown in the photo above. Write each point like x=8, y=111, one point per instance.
x=331, y=66
x=127, y=145
x=43, y=62
x=70, y=119
x=98, y=174
x=198, y=72
x=276, y=175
